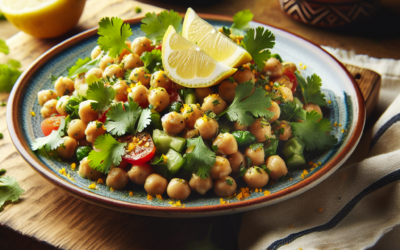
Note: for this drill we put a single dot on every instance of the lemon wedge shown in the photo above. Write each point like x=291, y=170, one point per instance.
x=188, y=65
x=213, y=42
x=43, y=18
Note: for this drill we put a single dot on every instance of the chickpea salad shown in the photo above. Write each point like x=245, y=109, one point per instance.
x=185, y=108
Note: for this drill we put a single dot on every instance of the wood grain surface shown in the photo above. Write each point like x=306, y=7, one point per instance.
x=49, y=214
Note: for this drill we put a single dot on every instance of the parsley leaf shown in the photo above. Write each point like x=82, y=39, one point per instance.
x=246, y=105
x=314, y=133
x=113, y=34
x=9, y=74
x=312, y=89
x=120, y=121
x=155, y=26
x=290, y=111
x=103, y=95
x=201, y=159
x=9, y=190
x=52, y=141
x=241, y=20
x=152, y=61
x=3, y=47
x=257, y=42
x=109, y=152
x=83, y=66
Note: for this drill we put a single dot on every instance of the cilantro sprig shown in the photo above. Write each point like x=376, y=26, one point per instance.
x=113, y=34
x=9, y=190
x=200, y=159
x=246, y=106
x=257, y=42
x=108, y=151
x=152, y=61
x=290, y=111
x=83, y=66
x=3, y=47
x=311, y=89
x=103, y=95
x=314, y=133
x=9, y=74
x=155, y=25
x=241, y=20
x=52, y=141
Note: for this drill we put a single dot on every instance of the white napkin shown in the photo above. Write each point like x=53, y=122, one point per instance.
x=358, y=207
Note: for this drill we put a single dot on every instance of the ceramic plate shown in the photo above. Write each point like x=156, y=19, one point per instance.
x=346, y=108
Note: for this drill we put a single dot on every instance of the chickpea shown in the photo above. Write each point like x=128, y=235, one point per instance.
x=140, y=94
x=46, y=95
x=256, y=177
x=286, y=93
x=227, y=90
x=96, y=72
x=95, y=52
x=117, y=178
x=311, y=106
x=290, y=66
x=67, y=149
x=159, y=98
x=155, y=184
x=160, y=79
x=236, y=160
x=121, y=91
x=125, y=52
x=79, y=81
x=221, y=168
x=93, y=130
x=283, y=80
x=199, y=185
x=285, y=131
x=214, y=103
x=139, y=75
x=140, y=45
x=202, y=93
x=64, y=86
x=226, y=144
x=189, y=133
x=61, y=104
x=277, y=167
x=207, y=127
x=261, y=129
x=225, y=186
x=86, y=113
x=49, y=108
x=132, y=61
x=87, y=172
x=191, y=113
x=81, y=89
x=173, y=123
x=273, y=67
x=276, y=109
x=256, y=156
x=139, y=173
x=76, y=129
x=113, y=70
x=178, y=189
x=105, y=60
x=239, y=126
x=244, y=75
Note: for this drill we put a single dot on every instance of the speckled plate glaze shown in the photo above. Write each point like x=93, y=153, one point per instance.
x=346, y=108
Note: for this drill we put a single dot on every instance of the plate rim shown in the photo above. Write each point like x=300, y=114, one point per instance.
x=16, y=134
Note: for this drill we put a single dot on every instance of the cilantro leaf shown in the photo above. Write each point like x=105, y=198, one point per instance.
x=103, y=95
x=120, y=121
x=311, y=89
x=109, y=151
x=9, y=74
x=201, y=159
x=83, y=66
x=72, y=106
x=229, y=182
x=3, y=47
x=52, y=141
x=246, y=106
x=155, y=26
x=291, y=111
x=152, y=61
x=314, y=133
x=226, y=31
x=113, y=34
x=9, y=190
x=145, y=120
x=241, y=20
x=257, y=42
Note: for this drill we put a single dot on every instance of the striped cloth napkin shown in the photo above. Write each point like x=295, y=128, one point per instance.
x=358, y=207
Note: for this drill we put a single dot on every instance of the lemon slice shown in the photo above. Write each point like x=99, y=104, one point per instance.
x=43, y=18
x=188, y=65
x=213, y=42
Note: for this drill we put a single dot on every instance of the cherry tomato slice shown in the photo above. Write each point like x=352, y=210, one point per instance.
x=159, y=47
x=292, y=78
x=173, y=96
x=139, y=149
x=123, y=164
x=50, y=124
x=103, y=117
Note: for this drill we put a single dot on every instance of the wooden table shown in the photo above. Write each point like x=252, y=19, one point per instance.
x=56, y=219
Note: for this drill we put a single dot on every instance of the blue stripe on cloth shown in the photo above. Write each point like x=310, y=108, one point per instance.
x=394, y=176
x=383, y=129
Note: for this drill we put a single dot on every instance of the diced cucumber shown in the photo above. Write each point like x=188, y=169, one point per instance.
x=174, y=163
x=295, y=161
x=190, y=98
x=270, y=147
x=293, y=146
x=178, y=143
x=155, y=120
x=297, y=102
x=164, y=142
